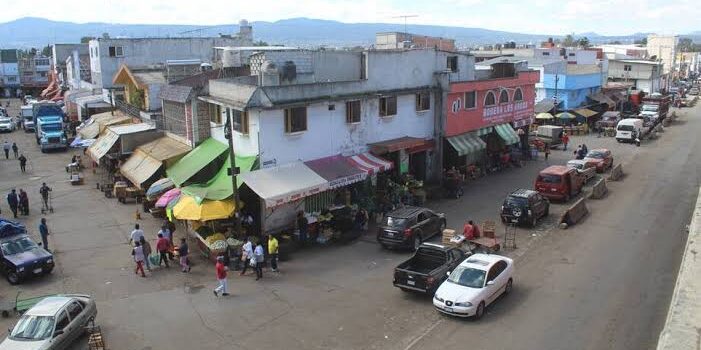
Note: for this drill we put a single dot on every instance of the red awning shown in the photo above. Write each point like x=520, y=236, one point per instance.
x=397, y=144
x=337, y=170
x=370, y=164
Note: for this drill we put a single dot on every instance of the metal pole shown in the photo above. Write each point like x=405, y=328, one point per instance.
x=229, y=133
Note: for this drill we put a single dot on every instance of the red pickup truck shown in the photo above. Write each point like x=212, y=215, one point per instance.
x=559, y=182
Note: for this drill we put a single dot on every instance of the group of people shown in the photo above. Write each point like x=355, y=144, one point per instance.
x=252, y=255
x=165, y=248
x=19, y=202
x=581, y=151
x=6, y=146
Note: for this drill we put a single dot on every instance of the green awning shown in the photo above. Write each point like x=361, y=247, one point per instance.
x=194, y=161
x=484, y=131
x=507, y=133
x=467, y=143
x=220, y=187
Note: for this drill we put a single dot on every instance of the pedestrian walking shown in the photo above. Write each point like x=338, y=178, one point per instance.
x=146, y=246
x=13, y=202
x=23, y=202
x=14, y=149
x=183, y=251
x=22, y=163
x=273, y=250
x=138, y=253
x=246, y=254
x=565, y=140
x=303, y=226
x=259, y=256
x=165, y=232
x=44, y=191
x=6, y=147
x=221, y=269
x=136, y=235
x=547, y=151
x=162, y=246
x=44, y=233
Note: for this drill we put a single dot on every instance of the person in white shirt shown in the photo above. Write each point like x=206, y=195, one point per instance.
x=246, y=254
x=138, y=254
x=259, y=255
x=136, y=234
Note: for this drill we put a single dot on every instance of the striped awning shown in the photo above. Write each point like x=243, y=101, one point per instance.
x=370, y=164
x=484, y=131
x=467, y=143
x=507, y=133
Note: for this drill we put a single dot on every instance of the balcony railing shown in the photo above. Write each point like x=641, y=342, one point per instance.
x=128, y=109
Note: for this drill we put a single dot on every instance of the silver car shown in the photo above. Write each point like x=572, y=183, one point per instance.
x=52, y=324
x=7, y=124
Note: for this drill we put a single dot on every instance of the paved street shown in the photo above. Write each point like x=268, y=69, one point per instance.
x=605, y=284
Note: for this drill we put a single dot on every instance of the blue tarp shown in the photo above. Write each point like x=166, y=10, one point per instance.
x=11, y=228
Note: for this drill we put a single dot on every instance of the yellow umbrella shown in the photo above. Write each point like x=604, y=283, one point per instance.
x=544, y=116
x=187, y=208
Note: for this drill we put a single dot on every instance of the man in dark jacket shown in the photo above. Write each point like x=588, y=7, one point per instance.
x=22, y=163
x=13, y=202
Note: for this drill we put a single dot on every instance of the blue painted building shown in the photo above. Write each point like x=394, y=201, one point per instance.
x=571, y=87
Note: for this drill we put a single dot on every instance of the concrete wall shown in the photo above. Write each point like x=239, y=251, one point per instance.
x=665, y=48
x=150, y=51
x=328, y=133
x=638, y=70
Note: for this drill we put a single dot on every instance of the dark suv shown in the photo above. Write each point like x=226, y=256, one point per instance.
x=524, y=207
x=409, y=226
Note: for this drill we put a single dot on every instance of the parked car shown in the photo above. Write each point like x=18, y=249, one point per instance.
x=426, y=270
x=629, y=130
x=53, y=323
x=585, y=168
x=409, y=226
x=694, y=91
x=22, y=258
x=475, y=284
x=559, y=182
x=7, y=124
x=602, y=159
x=524, y=207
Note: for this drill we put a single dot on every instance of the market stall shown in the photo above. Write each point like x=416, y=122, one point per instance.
x=150, y=160
x=191, y=166
x=212, y=214
x=97, y=124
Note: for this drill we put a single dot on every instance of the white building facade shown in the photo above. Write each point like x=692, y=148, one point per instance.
x=646, y=75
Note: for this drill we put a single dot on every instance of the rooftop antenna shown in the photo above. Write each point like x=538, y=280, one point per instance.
x=405, y=17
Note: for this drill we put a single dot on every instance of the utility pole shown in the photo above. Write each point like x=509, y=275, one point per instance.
x=234, y=170
x=557, y=78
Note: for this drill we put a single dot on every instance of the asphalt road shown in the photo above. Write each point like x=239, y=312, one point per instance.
x=605, y=284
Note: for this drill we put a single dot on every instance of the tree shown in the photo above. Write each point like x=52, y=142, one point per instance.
x=260, y=43
x=568, y=41
x=46, y=51
x=685, y=45
x=105, y=35
x=583, y=42
x=641, y=42
x=615, y=42
x=85, y=39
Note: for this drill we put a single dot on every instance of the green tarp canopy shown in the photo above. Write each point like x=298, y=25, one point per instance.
x=194, y=161
x=220, y=187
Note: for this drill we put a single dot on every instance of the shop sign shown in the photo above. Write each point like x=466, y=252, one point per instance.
x=500, y=110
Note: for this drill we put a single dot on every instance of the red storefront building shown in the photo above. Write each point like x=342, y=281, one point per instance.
x=484, y=115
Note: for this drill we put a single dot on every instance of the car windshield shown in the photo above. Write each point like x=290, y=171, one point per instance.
x=51, y=127
x=393, y=222
x=5, y=120
x=549, y=179
x=17, y=246
x=468, y=277
x=32, y=327
x=575, y=165
x=516, y=201
x=650, y=108
x=597, y=155
x=626, y=128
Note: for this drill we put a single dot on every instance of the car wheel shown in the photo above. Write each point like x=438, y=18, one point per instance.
x=13, y=277
x=509, y=287
x=480, y=311
x=417, y=242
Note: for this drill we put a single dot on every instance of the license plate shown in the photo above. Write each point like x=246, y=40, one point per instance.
x=390, y=234
x=37, y=270
x=411, y=283
x=448, y=309
x=553, y=189
x=514, y=220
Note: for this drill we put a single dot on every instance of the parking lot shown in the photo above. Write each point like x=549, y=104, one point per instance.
x=341, y=296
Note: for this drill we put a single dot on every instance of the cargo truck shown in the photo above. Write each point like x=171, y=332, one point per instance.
x=48, y=126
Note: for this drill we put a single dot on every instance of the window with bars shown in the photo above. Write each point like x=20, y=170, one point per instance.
x=353, y=112
x=518, y=95
x=490, y=99
x=388, y=106
x=295, y=119
x=503, y=96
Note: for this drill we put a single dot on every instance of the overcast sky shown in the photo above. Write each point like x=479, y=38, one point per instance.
x=610, y=17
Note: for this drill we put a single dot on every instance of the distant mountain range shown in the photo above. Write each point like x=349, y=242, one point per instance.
x=304, y=32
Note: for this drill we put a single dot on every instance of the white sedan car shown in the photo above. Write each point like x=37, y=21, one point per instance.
x=7, y=124
x=474, y=284
x=53, y=323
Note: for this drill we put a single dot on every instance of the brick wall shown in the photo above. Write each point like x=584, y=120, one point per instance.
x=203, y=128
x=174, y=119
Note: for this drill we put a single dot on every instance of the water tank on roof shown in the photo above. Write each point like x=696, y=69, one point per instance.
x=289, y=71
x=231, y=58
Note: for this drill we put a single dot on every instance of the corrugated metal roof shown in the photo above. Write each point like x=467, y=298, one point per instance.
x=131, y=128
x=175, y=93
x=150, y=77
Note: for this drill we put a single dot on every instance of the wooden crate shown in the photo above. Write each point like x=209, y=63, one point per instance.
x=447, y=235
x=489, y=228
